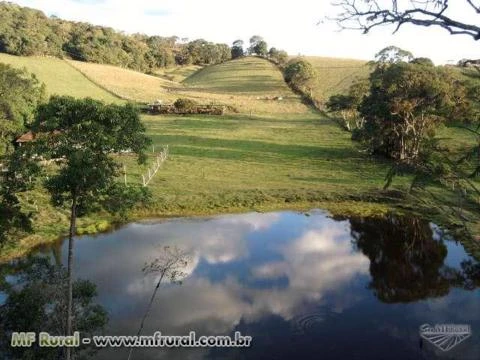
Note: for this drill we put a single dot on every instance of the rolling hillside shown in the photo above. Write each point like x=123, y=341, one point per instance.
x=242, y=76
x=336, y=75
x=248, y=85
x=177, y=73
x=59, y=77
x=126, y=84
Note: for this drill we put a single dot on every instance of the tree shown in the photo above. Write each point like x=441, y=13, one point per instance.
x=299, y=73
x=83, y=134
x=35, y=301
x=391, y=55
x=449, y=173
x=365, y=15
x=20, y=93
x=405, y=104
x=237, y=49
x=406, y=262
x=422, y=61
x=278, y=56
x=348, y=105
x=258, y=46
x=261, y=48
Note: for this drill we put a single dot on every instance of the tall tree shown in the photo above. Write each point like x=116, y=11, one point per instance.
x=83, y=135
x=20, y=93
x=255, y=40
x=237, y=49
x=405, y=104
x=366, y=15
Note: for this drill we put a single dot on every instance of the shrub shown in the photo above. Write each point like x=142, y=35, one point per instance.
x=183, y=104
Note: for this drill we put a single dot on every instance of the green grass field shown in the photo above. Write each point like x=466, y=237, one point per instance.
x=59, y=77
x=334, y=76
x=249, y=75
x=270, y=155
x=248, y=85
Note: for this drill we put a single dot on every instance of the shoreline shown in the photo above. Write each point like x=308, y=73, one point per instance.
x=347, y=208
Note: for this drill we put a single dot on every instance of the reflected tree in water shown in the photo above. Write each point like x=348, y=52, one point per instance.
x=170, y=265
x=36, y=301
x=406, y=262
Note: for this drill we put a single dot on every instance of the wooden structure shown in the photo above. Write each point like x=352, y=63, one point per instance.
x=25, y=138
x=197, y=109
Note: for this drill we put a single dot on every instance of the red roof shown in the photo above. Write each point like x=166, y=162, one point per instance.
x=27, y=137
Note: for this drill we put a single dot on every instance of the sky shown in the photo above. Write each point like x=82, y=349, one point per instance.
x=300, y=27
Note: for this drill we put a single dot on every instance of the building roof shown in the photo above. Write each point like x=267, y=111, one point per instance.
x=27, y=137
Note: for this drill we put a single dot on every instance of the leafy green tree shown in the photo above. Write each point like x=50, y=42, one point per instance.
x=261, y=48
x=392, y=55
x=237, y=49
x=255, y=41
x=20, y=94
x=35, y=301
x=422, y=61
x=83, y=135
x=278, y=56
x=405, y=104
x=299, y=73
x=348, y=105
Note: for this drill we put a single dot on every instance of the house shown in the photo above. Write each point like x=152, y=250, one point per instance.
x=25, y=138
x=31, y=136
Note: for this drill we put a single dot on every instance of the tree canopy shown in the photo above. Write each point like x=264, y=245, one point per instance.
x=405, y=103
x=20, y=94
x=25, y=31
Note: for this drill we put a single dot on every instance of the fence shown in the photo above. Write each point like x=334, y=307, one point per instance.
x=159, y=159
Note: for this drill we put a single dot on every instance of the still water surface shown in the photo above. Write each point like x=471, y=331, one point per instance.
x=304, y=286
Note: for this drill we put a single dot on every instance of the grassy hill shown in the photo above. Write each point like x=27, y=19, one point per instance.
x=178, y=73
x=336, y=75
x=59, y=77
x=242, y=76
x=125, y=83
x=249, y=85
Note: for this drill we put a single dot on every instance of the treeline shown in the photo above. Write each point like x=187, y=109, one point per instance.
x=27, y=32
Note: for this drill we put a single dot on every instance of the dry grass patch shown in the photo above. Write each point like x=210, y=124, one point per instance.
x=125, y=83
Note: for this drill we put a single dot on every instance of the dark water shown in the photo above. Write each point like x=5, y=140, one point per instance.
x=304, y=287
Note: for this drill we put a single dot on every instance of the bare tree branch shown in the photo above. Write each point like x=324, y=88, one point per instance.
x=365, y=15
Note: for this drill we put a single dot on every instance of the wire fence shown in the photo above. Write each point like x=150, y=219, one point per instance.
x=159, y=160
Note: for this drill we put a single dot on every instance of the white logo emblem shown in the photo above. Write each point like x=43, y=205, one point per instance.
x=445, y=336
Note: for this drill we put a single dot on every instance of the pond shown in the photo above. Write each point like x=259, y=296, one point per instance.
x=302, y=285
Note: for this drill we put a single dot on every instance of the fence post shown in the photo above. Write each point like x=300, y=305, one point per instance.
x=143, y=177
x=125, y=174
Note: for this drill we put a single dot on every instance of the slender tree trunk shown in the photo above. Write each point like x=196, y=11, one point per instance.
x=73, y=221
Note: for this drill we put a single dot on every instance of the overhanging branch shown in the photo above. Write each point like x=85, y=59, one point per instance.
x=365, y=15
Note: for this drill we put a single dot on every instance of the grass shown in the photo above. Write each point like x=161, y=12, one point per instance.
x=59, y=77
x=178, y=73
x=126, y=84
x=250, y=75
x=236, y=163
x=335, y=75
x=247, y=85
x=281, y=155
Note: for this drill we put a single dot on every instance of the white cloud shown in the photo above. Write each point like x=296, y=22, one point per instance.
x=288, y=25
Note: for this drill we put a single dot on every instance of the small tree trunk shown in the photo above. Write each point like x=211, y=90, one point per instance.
x=73, y=221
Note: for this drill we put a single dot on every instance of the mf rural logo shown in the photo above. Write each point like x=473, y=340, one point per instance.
x=445, y=336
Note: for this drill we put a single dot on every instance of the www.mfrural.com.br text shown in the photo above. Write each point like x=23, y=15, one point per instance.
x=44, y=339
